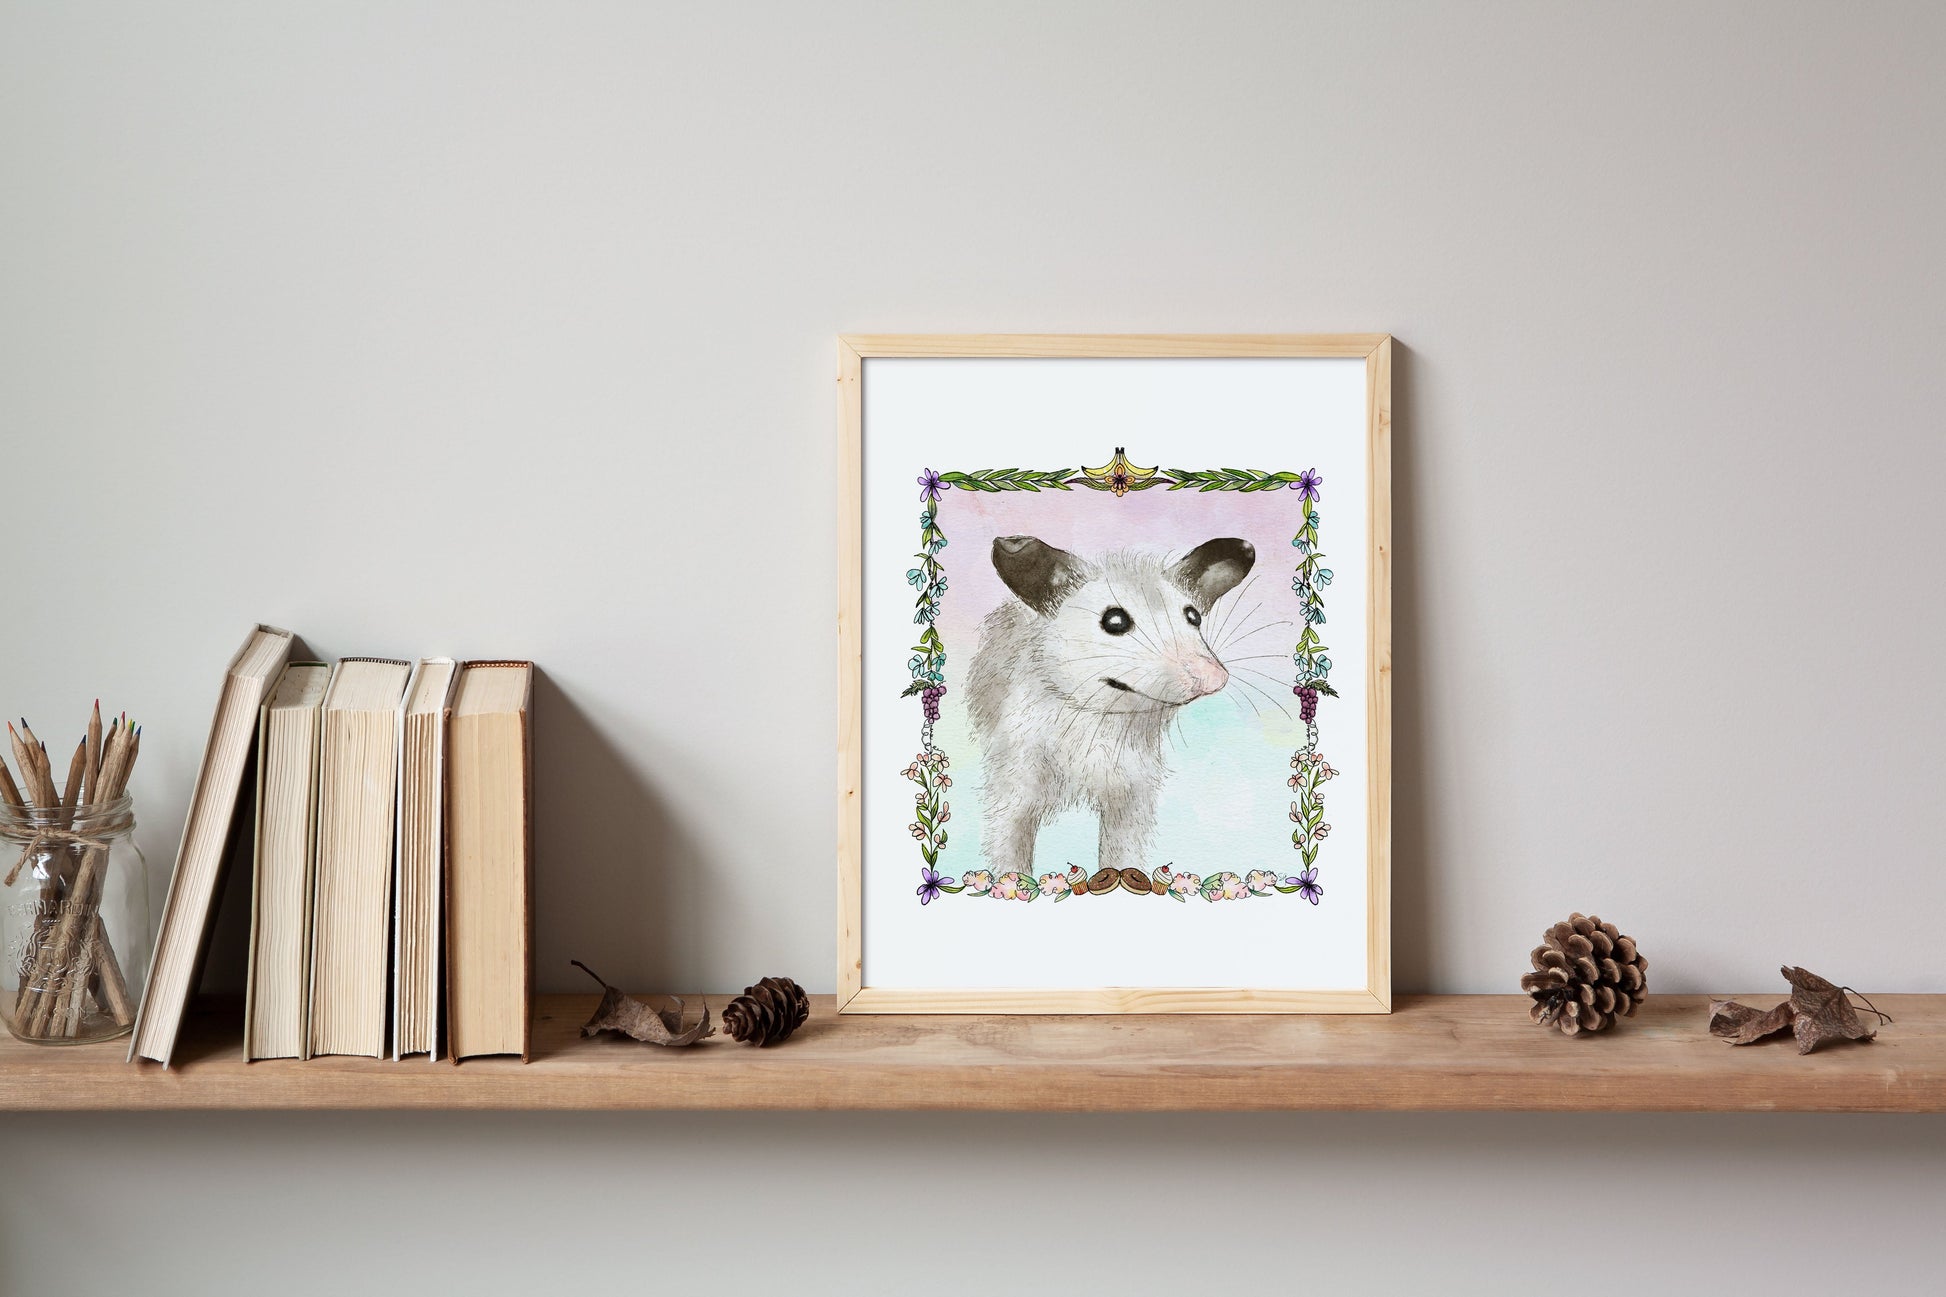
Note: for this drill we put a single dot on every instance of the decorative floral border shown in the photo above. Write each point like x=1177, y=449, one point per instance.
x=1311, y=680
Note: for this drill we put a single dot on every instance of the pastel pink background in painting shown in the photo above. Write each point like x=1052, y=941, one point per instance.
x=1090, y=523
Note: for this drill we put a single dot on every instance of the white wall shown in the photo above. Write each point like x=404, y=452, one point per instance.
x=509, y=328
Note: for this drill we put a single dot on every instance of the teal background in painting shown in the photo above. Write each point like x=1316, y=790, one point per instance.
x=1223, y=806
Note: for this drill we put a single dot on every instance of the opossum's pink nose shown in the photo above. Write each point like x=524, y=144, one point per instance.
x=1203, y=675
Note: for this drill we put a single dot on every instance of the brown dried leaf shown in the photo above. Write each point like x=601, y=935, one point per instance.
x=632, y=1017
x=1742, y=1025
x=1823, y=1012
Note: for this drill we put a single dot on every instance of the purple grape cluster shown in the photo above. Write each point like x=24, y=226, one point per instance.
x=1307, y=703
x=930, y=697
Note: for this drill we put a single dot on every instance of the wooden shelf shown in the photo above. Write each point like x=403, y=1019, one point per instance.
x=1433, y=1053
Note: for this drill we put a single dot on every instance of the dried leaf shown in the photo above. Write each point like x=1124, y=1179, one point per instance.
x=1823, y=1012
x=632, y=1017
x=1742, y=1025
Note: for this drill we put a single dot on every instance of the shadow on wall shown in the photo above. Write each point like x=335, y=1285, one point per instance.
x=1415, y=936
x=619, y=882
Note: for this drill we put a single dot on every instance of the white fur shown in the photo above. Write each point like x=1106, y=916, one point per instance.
x=1054, y=735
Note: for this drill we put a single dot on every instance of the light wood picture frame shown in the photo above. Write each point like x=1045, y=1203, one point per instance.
x=1058, y=415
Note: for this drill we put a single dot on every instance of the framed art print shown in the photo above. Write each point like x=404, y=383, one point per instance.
x=1114, y=647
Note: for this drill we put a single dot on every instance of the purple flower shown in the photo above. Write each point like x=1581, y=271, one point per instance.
x=1307, y=885
x=930, y=880
x=930, y=486
x=1307, y=483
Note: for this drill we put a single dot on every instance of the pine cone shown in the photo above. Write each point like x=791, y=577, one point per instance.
x=1586, y=975
x=767, y=1012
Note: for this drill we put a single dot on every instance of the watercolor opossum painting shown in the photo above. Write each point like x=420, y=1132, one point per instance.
x=1089, y=660
x=1077, y=677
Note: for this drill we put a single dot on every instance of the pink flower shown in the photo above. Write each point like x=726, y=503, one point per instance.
x=945, y=813
x=1261, y=882
x=1186, y=885
x=1297, y=816
x=944, y=781
x=977, y=881
x=1322, y=831
x=1225, y=886
x=1323, y=768
x=911, y=771
x=916, y=831
x=1055, y=885
x=1013, y=886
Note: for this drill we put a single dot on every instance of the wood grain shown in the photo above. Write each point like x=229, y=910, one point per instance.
x=1432, y=1053
x=1218, y=345
x=851, y=668
x=1378, y=673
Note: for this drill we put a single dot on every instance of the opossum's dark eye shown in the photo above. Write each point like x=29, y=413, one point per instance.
x=1116, y=621
x=1191, y=616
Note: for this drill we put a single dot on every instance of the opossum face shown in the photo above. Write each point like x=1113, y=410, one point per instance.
x=1124, y=633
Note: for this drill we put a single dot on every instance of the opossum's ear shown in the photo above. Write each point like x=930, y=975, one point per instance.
x=1033, y=569
x=1213, y=569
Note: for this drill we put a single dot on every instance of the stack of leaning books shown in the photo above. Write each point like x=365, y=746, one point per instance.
x=385, y=812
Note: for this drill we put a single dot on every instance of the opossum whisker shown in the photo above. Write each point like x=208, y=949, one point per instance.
x=1253, y=633
x=1226, y=606
x=1163, y=617
x=1255, y=657
x=1078, y=703
x=1267, y=696
x=1135, y=627
x=1263, y=674
x=1247, y=622
x=1094, y=736
x=1149, y=641
x=1080, y=713
x=1230, y=610
x=1114, y=657
x=1174, y=728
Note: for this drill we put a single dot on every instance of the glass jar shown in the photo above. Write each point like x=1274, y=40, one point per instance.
x=74, y=920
